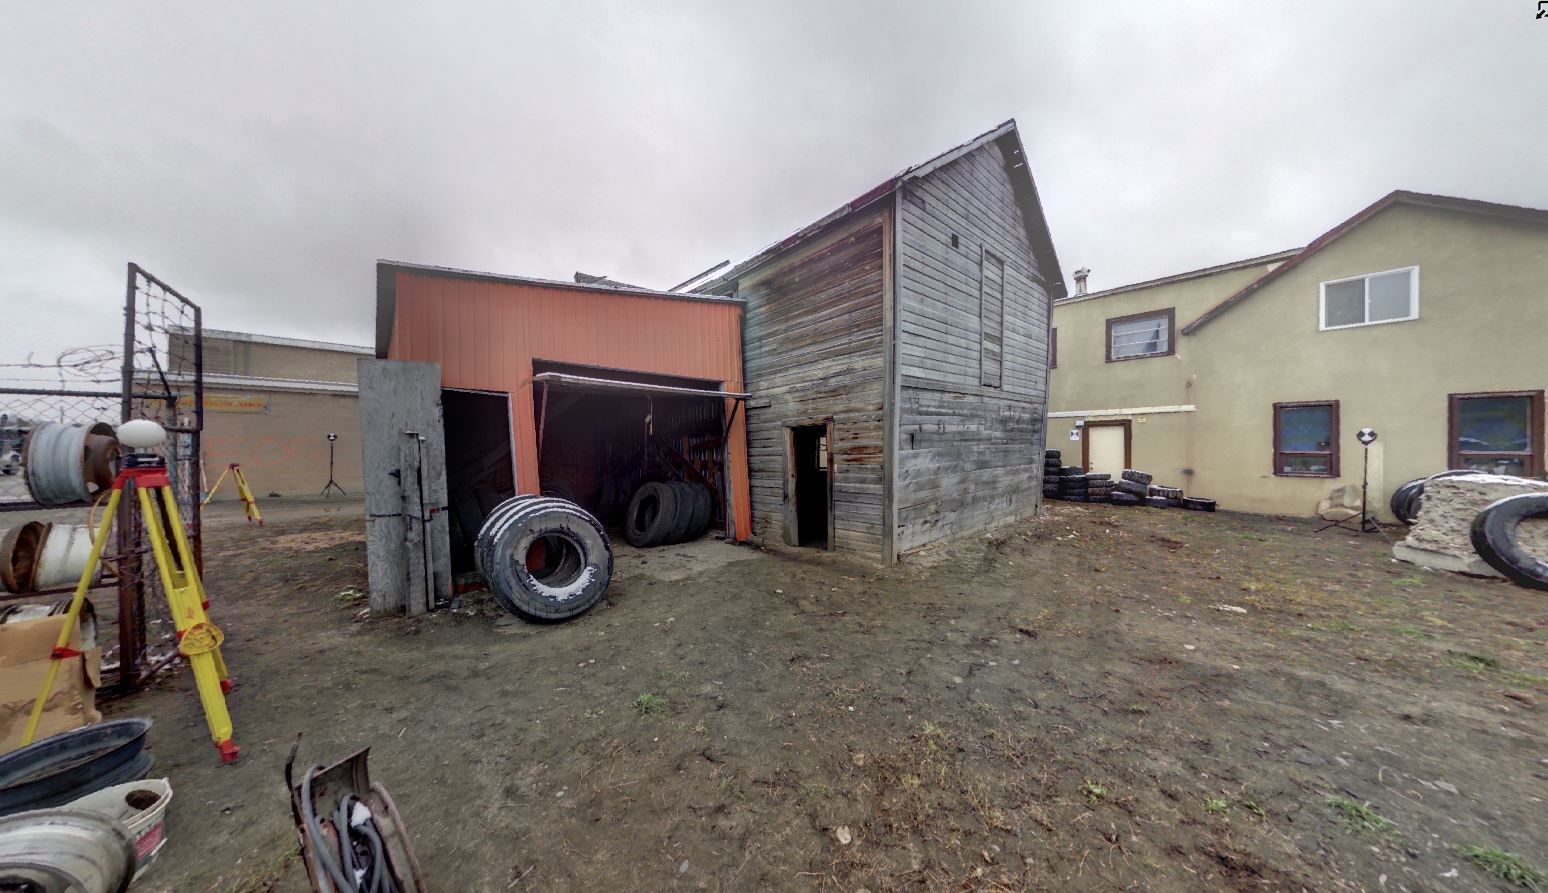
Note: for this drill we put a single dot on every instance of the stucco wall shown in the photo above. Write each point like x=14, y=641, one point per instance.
x=1483, y=309
x=286, y=449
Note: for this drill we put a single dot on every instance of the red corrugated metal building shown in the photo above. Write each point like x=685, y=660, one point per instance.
x=581, y=385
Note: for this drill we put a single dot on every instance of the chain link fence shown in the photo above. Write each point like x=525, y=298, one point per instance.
x=157, y=374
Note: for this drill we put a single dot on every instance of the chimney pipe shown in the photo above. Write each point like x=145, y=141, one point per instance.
x=1080, y=280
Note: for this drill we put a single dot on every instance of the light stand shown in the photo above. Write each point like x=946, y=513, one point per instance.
x=332, y=484
x=1366, y=436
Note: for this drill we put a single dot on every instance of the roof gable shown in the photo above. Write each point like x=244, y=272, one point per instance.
x=1443, y=202
x=1027, y=200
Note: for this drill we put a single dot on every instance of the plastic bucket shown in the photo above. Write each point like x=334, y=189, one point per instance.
x=141, y=807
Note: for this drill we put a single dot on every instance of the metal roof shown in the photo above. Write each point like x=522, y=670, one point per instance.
x=1021, y=176
x=587, y=383
x=387, y=291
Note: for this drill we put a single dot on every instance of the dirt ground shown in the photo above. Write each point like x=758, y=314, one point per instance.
x=1103, y=699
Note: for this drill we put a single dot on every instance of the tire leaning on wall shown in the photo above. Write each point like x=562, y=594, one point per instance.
x=578, y=558
x=1494, y=538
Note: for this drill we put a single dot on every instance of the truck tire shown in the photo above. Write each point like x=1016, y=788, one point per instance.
x=1133, y=488
x=652, y=512
x=1138, y=477
x=1494, y=537
x=1198, y=504
x=687, y=502
x=577, y=566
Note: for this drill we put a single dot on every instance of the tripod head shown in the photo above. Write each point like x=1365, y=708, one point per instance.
x=140, y=437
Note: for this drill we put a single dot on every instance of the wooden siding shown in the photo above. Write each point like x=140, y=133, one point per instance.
x=812, y=332
x=969, y=456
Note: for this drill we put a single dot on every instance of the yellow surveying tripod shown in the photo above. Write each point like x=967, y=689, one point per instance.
x=198, y=639
x=244, y=492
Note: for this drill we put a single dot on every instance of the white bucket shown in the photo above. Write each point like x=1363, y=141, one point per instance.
x=141, y=807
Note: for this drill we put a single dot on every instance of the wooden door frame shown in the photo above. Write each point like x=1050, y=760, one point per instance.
x=1128, y=441
x=792, y=519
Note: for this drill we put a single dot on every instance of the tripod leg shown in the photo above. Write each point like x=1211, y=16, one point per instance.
x=218, y=481
x=250, y=504
x=73, y=614
x=198, y=639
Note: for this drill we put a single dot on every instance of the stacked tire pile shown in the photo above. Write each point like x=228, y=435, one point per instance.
x=545, y=559
x=665, y=512
x=1072, y=483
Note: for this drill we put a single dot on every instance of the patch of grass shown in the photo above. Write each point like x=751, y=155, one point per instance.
x=1361, y=817
x=1185, y=599
x=349, y=595
x=1412, y=632
x=1410, y=580
x=1525, y=678
x=1475, y=661
x=1093, y=792
x=648, y=704
x=1253, y=807
x=1343, y=626
x=1505, y=866
x=1216, y=805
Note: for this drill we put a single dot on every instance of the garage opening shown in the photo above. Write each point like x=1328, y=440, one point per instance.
x=811, y=488
x=605, y=434
x=480, y=465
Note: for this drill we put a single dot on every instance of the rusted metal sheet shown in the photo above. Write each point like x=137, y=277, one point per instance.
x=487, y=330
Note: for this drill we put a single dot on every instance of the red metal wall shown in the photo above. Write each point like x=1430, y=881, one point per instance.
x=485, y=334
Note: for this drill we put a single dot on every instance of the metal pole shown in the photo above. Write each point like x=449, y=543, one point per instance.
x=196, y=442
x=128, y=570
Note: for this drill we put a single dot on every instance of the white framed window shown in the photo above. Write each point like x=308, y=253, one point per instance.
x=1391, y=296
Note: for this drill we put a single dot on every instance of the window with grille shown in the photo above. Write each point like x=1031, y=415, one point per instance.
x=1151, y=334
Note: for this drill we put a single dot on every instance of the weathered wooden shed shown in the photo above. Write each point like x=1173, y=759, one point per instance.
x=896, y=352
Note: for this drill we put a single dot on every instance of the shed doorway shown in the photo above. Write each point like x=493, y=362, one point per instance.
x=810, y=487
x=480, y=465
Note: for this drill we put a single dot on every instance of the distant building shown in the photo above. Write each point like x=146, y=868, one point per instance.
x=269, y=404
x=1420, y=317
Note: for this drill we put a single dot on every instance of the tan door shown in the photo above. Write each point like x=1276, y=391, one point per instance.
x=1107, y=447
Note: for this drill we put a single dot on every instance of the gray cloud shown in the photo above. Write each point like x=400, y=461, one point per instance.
x=261, y=157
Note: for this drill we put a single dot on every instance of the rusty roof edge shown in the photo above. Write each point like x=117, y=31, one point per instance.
x=1175, y=278
x=1424, y=199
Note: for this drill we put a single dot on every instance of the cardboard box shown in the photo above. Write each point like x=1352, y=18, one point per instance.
x=25, y=646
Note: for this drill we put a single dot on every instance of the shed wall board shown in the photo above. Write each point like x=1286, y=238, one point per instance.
x=398, y=397
x=969, y=456
x=812, y=335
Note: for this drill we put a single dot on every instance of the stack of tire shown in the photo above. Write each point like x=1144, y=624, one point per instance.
x=1133, y=488
x=1100, y=487
x=665, y=512
x=1072, y=484
x=1052, y=460
x=545, y=559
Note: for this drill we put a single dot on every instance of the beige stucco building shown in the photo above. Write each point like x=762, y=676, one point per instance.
x=1422, y=317
x=269, y=404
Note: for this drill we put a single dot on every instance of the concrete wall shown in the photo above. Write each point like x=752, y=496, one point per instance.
x=286, y=449
x=1483, y=306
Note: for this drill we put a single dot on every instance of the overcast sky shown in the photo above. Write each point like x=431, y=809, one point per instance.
x=261, y=156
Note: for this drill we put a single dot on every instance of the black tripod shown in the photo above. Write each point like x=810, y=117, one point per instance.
x=1368, y=524
x=332, y=484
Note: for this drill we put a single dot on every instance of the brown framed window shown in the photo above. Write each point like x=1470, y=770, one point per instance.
x=1140, y=335
x=1501, y=432
x=1306, y=439
x=1053, y=348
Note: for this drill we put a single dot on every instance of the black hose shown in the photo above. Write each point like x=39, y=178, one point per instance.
x=357, y=863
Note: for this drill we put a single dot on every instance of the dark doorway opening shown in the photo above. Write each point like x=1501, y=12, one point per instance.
x=480, y=467
x=811, y=489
